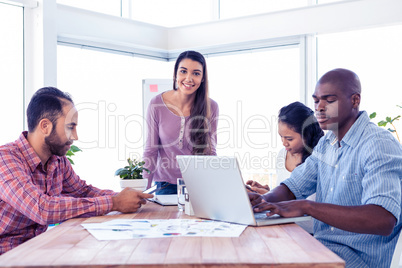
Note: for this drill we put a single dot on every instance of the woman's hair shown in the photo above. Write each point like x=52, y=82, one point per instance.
x=201, y=111
x=301, y=119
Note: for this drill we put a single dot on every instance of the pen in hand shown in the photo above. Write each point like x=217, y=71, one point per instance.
x=249, y=188
x=154, y=189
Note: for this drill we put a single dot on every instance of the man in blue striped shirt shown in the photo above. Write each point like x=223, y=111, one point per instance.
x=356, y=171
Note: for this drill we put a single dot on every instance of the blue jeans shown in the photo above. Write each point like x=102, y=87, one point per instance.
x=167, y=188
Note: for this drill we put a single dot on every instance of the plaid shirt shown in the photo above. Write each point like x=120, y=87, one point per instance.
x=32, y=197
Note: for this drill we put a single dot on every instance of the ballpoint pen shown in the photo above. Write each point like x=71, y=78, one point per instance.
x=249, y=188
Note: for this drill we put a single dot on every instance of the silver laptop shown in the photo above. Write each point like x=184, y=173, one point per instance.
x=216, y=190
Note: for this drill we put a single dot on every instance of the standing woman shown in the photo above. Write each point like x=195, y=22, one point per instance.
x=181, y=121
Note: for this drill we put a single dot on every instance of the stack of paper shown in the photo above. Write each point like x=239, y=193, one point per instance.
x=142, y=228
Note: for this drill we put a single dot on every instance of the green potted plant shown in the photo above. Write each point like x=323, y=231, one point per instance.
x=131, y=175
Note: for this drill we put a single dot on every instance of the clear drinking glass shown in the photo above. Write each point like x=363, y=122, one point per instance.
x=180, y=194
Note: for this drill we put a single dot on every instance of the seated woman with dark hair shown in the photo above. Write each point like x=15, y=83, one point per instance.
x=300, y=133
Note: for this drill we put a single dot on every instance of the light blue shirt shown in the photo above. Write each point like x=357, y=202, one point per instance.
x=365, y=169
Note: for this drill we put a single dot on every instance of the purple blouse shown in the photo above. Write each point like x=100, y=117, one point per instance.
x=169, y=135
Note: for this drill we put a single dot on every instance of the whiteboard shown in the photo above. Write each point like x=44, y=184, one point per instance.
x=151, y=88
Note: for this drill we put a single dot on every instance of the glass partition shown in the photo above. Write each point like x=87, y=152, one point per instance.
x=171, y=13
x=107, y=91
x=375, y=55
x=240, y=8
x=11, y=72
x=110, y=7
x=250, y=88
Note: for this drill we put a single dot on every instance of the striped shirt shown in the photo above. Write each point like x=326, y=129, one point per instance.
x=365, y=169
x=31, y=197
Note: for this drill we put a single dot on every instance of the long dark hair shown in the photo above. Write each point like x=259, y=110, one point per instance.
x=301, y=119
x=201, y=111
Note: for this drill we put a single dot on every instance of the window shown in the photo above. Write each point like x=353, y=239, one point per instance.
x=107, y=91
x=171, y=13
x=110, y=7
x=375, y=55
x=250, y=88
x=175, y=13
x=11, y=72
x=239, y=8
x=159, y=12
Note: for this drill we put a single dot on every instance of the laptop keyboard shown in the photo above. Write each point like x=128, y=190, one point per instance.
x=263, y=215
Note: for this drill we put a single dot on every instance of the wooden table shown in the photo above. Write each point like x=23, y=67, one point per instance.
x=69, y=245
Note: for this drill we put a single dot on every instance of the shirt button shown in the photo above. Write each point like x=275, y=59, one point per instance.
x=332, y=229
x=331, y=189
x=336, y=166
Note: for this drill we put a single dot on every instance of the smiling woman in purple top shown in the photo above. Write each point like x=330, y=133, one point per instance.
x=182, y=121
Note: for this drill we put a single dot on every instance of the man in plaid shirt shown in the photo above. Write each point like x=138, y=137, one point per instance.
x=38, y=185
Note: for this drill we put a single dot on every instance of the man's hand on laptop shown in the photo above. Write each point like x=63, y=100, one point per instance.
x=255, y=198
x=292, y=208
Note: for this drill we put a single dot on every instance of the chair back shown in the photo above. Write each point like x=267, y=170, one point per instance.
x=397, y=253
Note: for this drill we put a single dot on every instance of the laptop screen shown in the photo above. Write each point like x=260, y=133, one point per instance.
x=216, y=188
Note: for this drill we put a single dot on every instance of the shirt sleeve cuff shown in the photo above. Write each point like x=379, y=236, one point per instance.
x=293, y=188
x=390, y=205
x=103, y=205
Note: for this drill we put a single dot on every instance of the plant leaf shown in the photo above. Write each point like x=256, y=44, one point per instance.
x=132, y=171
x=382, y=123
x=120, y=171
x=396, y=118
x=373, y=115
x=75, y=149
x=391, y=130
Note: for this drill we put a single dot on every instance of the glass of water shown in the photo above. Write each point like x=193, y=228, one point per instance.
x=180, y=194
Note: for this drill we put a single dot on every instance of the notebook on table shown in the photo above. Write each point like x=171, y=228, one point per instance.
x=216, y=189
x=164, y=200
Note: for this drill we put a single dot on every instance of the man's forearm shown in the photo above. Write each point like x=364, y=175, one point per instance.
x=367, y=219
x=278, y=194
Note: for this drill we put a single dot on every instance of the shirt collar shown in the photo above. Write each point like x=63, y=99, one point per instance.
x=353, y=135
x=28, y=152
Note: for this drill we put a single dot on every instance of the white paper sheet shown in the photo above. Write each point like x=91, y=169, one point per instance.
x=142, y=228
